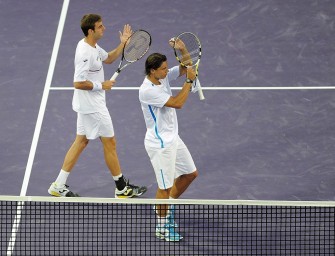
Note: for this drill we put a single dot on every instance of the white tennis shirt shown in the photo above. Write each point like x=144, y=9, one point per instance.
x=161, y=121
x=88, y=66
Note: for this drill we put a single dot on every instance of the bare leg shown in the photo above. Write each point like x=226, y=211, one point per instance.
x=179, y=187
x=74, y=152
x=182, y=183
x=162, y=209
x=110, y=154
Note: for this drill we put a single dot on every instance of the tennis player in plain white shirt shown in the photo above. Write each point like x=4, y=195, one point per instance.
x=93, y=118
x=88, y=63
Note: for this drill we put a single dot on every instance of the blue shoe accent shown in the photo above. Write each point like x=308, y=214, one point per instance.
x=170, y=216
x=168, y=233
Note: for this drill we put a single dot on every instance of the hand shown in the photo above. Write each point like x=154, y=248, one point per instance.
x=127, y=32
x=177, y=44
x=191, y=74
x=107, y=85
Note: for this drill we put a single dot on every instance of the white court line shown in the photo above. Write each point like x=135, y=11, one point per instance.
x=17, y=219
x=44, y=97
x=219, y=88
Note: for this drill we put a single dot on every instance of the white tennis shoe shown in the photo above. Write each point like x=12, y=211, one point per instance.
x=62, y=191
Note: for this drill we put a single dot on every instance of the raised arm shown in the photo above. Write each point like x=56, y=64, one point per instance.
x=179, y=45
x=114, y=54
x=179, y=100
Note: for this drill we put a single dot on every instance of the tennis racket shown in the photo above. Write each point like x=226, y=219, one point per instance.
x=192, y=58
x=136, y=46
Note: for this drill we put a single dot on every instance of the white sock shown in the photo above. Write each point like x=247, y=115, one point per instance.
x=170, y=206
x=161, y=221
x=62, y=177
x=117, y=177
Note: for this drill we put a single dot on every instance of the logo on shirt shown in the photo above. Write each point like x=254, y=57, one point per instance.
x=85, y=60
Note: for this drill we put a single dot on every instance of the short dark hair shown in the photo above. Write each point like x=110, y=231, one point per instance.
x=154, y=61
x=88, y=22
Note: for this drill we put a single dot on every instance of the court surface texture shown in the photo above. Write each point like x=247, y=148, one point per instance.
x=266, y=130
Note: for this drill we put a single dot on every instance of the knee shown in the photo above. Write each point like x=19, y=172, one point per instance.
x=192, y=176
x=81, y=142
x=109, y=144
x=163, y=193
x=113, y=143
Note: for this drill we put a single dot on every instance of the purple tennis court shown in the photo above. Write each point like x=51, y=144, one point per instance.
x=264, y=132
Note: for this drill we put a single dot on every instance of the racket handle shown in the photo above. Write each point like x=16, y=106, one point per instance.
x=201, y=94
x=115, y=75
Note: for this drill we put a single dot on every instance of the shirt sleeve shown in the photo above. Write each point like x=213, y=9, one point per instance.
x=173, y=73
x=154, y=96
x=81, y=67
x=103, y=54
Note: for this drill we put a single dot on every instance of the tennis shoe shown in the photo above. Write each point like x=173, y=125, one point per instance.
x=168, y=233
x=127, y=192
x=62, y=191
x=130, y=190
x=137, y=191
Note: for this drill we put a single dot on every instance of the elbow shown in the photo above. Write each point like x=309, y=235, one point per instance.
x=179, y=106
x=174, y=102
x=108, y=61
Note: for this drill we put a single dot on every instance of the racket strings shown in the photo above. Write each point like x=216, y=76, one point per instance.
x=193, y=47
x=138, y=44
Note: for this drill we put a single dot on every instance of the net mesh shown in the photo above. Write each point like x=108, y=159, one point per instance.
x=52, y=226
x=137, y=45
x=192, y=46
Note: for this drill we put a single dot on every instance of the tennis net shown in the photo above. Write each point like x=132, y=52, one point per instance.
x=101, y=226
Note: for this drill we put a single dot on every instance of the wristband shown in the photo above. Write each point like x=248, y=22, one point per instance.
x=97, y=86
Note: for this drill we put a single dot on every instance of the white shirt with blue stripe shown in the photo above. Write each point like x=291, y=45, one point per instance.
x=161, y=121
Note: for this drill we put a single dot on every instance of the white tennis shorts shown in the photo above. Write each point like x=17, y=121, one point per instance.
x=95, y=125
x=170, y=163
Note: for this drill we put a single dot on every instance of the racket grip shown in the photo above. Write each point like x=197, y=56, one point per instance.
x=115, y=75
x=201, y=94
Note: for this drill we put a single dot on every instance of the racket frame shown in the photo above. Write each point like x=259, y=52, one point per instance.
x=196, y=65
x=120, y=67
